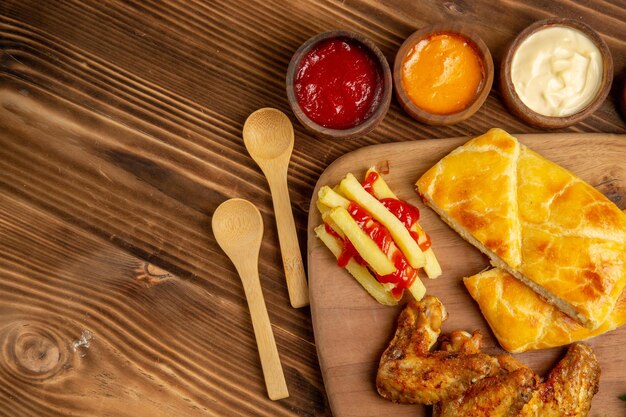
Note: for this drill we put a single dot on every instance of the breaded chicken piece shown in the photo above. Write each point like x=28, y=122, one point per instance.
x=410, y=373
x=569, y=388
x=499, y=396
x=567, y=392
x=462, y=382
x=502, y=395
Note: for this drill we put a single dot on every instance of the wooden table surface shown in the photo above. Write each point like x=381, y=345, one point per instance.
x=120, y=133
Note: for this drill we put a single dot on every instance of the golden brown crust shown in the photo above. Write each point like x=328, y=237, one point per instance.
x=460, y=381
x=574, y=238
x=521, y=320
x=567, y=391
x=492, y=216
x=569, y=388
x=499, y=396
x=535, y=219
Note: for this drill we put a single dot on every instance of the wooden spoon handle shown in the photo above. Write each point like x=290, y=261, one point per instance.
x=288, y=239
x=270, y=362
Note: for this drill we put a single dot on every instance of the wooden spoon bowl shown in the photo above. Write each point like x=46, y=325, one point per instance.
x=357, y=131
x=238, y=228
x=268, y=136
x=523, y=112
x=483, y=90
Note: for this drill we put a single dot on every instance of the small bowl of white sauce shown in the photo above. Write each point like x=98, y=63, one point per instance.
x=555, y=73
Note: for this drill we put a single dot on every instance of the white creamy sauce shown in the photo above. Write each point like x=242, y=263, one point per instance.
x=557, y=71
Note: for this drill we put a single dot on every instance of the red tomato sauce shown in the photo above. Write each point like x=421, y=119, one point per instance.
x=405, y=212
x=348, y=251
x=331, y=231
x=368, y=184
x=338, y=84
x=425, y=245
x=404, y=275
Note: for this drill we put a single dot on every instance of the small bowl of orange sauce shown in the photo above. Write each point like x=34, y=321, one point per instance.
x=443, y=74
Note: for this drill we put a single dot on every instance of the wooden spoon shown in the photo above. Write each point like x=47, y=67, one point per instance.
x=268, y=136
x=238, y=229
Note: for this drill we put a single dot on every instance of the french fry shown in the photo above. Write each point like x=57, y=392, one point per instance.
x=333, y=204
x=382, y=190
x=359, y=272
x=321, y=207
x=364, y=245
x=325, y=212
x=331, y=198
x=352, y=189
x=338, y=191
x=432, y=267
x=417, y=289
x=380, y=187
x=326, y=218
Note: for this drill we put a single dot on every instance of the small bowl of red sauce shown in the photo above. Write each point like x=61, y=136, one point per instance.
x=339, y=85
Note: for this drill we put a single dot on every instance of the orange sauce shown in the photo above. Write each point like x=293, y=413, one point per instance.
x=442, y=73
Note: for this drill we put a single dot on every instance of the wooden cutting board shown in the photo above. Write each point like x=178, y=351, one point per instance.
x=352, y=330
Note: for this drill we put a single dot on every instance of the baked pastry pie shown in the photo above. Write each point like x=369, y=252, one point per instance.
x=521, y=320
x=536, y=220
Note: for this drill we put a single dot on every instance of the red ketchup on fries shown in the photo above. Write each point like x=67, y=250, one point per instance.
x=404, y=275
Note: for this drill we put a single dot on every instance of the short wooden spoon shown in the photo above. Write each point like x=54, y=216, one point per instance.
x=238, y=229
x=268, y=136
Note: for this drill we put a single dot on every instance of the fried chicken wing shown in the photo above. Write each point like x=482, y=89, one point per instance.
x=502, y=395
x=462, y=382
x=461, y=342
x=499, y=396
x=569, y=388
x=410, y=373
x=567, y=392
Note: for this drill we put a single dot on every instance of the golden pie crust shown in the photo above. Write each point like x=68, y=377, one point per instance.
x=536, y=220
x=521, y=320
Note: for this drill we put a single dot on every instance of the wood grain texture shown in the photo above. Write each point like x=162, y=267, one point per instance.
x=349, y=348
x=120, y=133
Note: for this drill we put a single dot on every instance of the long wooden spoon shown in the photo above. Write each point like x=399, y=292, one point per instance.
x=268, y=136
x=238, y=229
